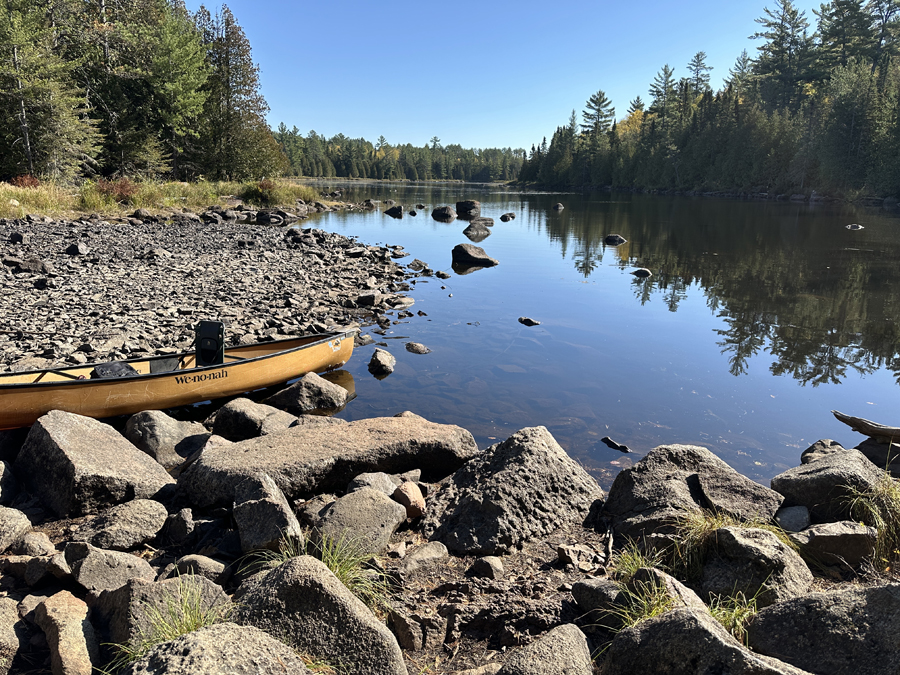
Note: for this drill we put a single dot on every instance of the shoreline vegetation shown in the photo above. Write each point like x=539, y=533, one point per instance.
x=122, y=196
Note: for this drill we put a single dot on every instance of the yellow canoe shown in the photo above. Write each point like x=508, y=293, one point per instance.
x=167, y=381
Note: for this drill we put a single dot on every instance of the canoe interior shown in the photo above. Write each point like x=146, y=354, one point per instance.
x=164, y=363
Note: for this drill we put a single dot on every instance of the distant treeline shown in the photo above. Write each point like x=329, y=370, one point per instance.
x=344, y=157
x=100, y=88
x=813, y=110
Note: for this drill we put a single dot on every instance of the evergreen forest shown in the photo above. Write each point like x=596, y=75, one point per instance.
x=144, y=88
x=815, y=107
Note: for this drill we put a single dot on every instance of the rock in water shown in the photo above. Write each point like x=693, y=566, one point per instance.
x=468, y=255
x=444, y=214
x=525, y=321
x=382, y=363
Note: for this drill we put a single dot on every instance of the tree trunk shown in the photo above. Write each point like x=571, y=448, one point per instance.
x=23, y=117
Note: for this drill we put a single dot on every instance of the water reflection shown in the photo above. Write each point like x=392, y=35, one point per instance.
x=779, y=294
x=784, y=280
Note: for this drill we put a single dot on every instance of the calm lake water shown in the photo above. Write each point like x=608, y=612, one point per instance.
x=759, y=319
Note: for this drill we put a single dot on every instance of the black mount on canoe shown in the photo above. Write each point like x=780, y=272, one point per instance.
x=210, y=343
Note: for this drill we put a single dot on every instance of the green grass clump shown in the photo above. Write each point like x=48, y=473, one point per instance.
x=640, y=601
x=695, y=538
x=182, y=612
x=734, y=612
x=878, y=506
x=343, y=555
x=624, y=563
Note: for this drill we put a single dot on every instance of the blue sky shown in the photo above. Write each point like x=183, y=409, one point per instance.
x=481, y=74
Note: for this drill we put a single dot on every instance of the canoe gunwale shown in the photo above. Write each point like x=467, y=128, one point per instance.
x=324, y=337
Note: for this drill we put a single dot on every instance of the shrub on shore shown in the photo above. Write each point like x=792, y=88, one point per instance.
x=120, y=196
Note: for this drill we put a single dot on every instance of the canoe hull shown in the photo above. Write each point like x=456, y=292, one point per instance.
x=261, y=365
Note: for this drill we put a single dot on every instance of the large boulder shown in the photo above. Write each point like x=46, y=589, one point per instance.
x=302, y=600
x=756, y=563
x=310, y=395
x=824, y=485
x=128, y=612
x=686, y=641
x=263, y=515
x=365, y=517
x=242, y=418
x=468, y=255
x=444, y=214
x=468, y=209
x=126, y=526
x=851, y=630
x=77, y=465
x=561, y=651
x=309, y=460
x=168, y=441
x=675, y=480
x=517, y=490
x=220, y=649
x=883, y=455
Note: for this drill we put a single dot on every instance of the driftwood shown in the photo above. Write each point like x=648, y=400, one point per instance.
x=879, y=432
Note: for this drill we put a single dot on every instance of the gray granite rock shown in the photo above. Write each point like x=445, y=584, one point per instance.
x=311, y=394
x=366, y=517
x=561, y=651
x=513, y=492
x=222, y=649
x=128, y=612
x=77, y=465
x=242, y=418
x=99, y=570
x=126, y=526
x=686, y=641
x=756, y=563
x=304, y=461
x=851, y=630
x=263, y=515
x=672, y=481
x=166, y=440
x=302, y=600
x=824, y=485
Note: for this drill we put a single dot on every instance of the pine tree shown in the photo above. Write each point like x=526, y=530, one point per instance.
x=785, y=56
x=176, y=77
x=739, y=75
x=845, y=32
x=44, y=128
x=635, y=105
x=699, y=72
x=663, y=92
x=598, y=113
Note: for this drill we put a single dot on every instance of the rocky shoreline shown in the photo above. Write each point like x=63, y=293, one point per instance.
x=509, y=559
x=505, y=560
x=95, y=289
